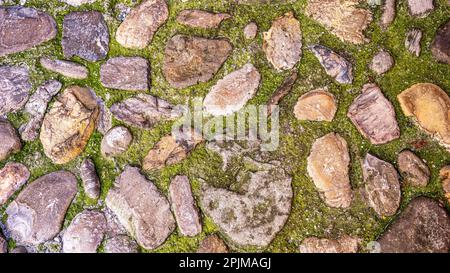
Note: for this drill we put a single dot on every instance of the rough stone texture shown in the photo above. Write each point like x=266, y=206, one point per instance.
x=125, y=73
x=441, y=44
x=250, y=31
x=413, y=170
x=10, y=140
x=120, y=244
x=12, y=177
x=85, y=233
x=335, y=66
x=144, y=111
x=24, y=28
x=429, y=106
x=328, y=166
x=77, y=3
x=420, y=8
x=316, y=105
x=412, y=41
x=86, y=35
x=382, y=186
x=201, y=19
x=15, y=87
x=139, y=26
x=423, y=227
x=184, y=207
x=37, y=214
x=3, y=245
x=444, y=175
x=36, y=107
x=342, y=17
x=69, y=124
x=345, y=244
x=231, y=93
x=65, y=68
x=116, y=141
x=192, y=60
x=19, y=250
x=104, y=122
x=283, y=42
x=89, y=178
x=141, y=208
x=374, y=116
x=388, y=15
x=212, y=244
x=382, y=62
x=282, y=91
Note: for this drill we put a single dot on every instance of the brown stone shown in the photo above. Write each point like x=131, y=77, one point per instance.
x=413, y=170
x=65, y=68
x=335, y=65
x=345, y=244
x=10, y=140
x=282, y=91
x=444, y=175
x=125, y=73
x=441, y=44
x=316, y=105
x=3, y=244
x=212, y=244
x=201, y=19
x=12, y=177
x=15, y=88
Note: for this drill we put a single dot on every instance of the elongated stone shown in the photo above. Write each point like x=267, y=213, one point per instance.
x=15, y=88
x=345, y=244
x=90, y=179
x=65, y=68
x=10, y=141
x=201, y=18
x=335, y=66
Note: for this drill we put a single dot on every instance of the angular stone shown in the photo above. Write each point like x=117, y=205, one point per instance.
x=283, y=42
x=125, y=73
x=89, y=178
x=141, y=208
x=120, y=244
x=429, y=106
x=77, y=3
x=382, y=186
x=316, y=105
x=413, y=170
x=3, y=245
x=36, y=107
x=15, y=87
x=192, y=60
x=441, y=44
x=212, y=244
x=328, y=166
x=85, y=233
x=116, y=141
x=69, y=124
x=104, y=123
x=250, y=31
x=184, y=207
x=65, y=68
x=335, y=66
x=12, y=177
x=24, y=28
x=201, y=18
x=444, y=175
x=345, y=244
x=10, y=140
x=388, y=15
x=374, y=116
x=37, y=214
x=232, y=92
x=420, y=8
x=144, y=111
x=412, y=41
x=86, y=35
x=139, y=26
x=382, y=62
x=342, y=17
x=282, y=91
x=423, y=227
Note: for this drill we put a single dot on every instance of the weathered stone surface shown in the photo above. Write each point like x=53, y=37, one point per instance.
x=382, y=186
x=3, y=245
x=420, y=8
x=212, y=244
x=141, y=208
x=36, y=107
x=37, y=214
x=345, y=244
x=104, y=123
x=125, y=73
x=413, y=170
x=77, y=3
x=335, y=66
x=14, y=88
x=423, y=227
x=342, y=17
x=282, y=91
x=429, y=106
x=65, y=68
x=201, y=18
x=444, y=175
x=184, y=207
x=121, y=244
x=374, y=116
x=232, y=92
x=192, y=60
x=382, y=62
x=412, y=41
x=12, y=177
x=144, y=111
x=316, y=105
x=10, y=140
x=328, y=166
x=19, y=250
x=85, y=233
x=24, y=28
x=86, y=35
x=69, y=124
x=89, y=178
x=441, y=44
x=250, y=31
x=138, y=28
x=283, y=42
x=116, y=141
x=388, y=15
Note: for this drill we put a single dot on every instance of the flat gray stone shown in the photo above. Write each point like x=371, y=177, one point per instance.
x=15, y=88
x=65, y=68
